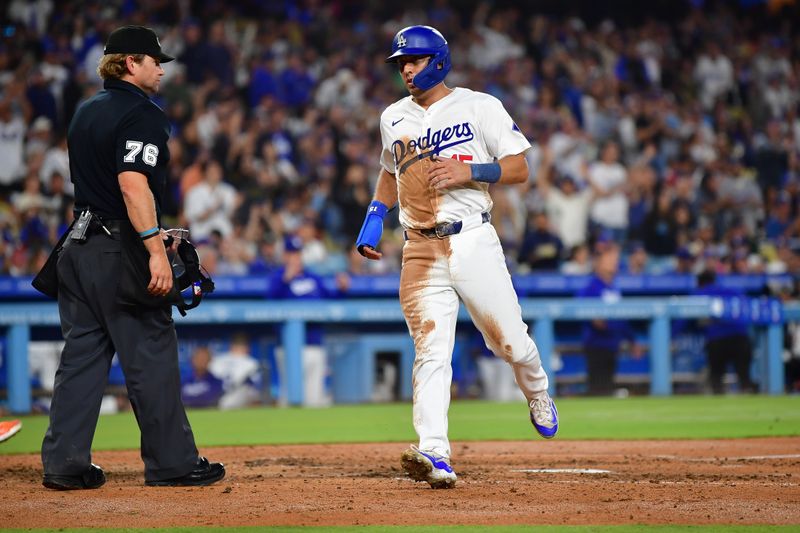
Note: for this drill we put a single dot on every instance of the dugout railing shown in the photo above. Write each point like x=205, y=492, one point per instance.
x=767, y=316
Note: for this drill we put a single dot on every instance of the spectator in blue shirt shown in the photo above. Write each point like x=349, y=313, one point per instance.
x=637, y=261
x=684, y=261
x=603, y=339
x=296, y=83
x=727, y=340
x=262, y=80
x=779, y=218
x=541, y=248
x=194, y=52
x=264, y=262
x=203, y=389
x=293, y=281
x=218, y=57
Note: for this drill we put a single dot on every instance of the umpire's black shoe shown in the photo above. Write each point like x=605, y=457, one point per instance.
x=91, y=479
x=204, y=473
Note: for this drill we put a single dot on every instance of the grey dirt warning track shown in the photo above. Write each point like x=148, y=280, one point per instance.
x=748, y=481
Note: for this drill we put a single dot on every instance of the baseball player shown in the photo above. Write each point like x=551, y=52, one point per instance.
x=442, y=148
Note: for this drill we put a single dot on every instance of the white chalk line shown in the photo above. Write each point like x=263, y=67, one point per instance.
x=743, y=458
x=783, y=484
x=563, y=471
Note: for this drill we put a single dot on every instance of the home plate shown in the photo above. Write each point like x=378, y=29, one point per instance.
x=563, y=471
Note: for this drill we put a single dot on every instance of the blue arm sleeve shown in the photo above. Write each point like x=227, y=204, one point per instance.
x=372, y=229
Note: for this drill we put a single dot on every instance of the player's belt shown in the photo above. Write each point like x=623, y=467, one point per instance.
x=445, y=229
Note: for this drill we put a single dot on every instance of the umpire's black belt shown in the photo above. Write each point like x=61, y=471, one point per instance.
x=100, y=224
x=108, y=227
x=445, y=229
x=113, y=225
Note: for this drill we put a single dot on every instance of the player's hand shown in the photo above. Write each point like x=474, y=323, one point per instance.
x=371, y=231
x=448, y=173
x=369, y=252
x=160, y=275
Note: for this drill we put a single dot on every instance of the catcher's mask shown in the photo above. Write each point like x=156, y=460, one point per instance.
x=423, y=41
x=188, y=272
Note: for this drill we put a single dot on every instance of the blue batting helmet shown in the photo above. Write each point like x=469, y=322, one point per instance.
x=423, y=41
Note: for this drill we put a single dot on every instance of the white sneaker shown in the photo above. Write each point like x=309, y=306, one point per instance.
x=428, y=466
x=544, y=415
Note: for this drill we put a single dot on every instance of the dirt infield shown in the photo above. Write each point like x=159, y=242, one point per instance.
x=753, y=481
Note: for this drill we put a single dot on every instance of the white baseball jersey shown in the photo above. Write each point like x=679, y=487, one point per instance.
x=471, y=126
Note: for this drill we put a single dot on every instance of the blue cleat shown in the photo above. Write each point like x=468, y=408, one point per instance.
x=428, y=466
x=544, y=416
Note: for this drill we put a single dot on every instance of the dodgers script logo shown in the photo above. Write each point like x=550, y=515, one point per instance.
x=433, y=142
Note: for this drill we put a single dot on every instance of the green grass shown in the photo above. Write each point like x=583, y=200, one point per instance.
x=681, y=417
x=458, y=529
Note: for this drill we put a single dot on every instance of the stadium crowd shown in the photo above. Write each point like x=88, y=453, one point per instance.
x=679, y=139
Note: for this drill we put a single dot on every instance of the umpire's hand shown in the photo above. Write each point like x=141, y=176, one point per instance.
x=160, y=274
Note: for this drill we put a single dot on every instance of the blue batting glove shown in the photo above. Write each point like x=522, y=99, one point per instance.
x=372, y=229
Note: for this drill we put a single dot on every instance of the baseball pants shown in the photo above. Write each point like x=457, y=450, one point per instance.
x=469, y=265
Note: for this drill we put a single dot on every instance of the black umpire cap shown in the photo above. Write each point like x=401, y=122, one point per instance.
x=136, y=40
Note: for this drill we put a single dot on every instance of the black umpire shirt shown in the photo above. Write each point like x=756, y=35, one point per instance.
x=118, y=129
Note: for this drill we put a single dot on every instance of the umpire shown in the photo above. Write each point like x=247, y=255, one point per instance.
x=118, y=161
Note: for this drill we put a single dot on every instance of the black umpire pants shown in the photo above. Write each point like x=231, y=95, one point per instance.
x=94, y=326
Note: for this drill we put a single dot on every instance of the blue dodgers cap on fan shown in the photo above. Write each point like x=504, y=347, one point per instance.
x=605, y=241
x=292, y=243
